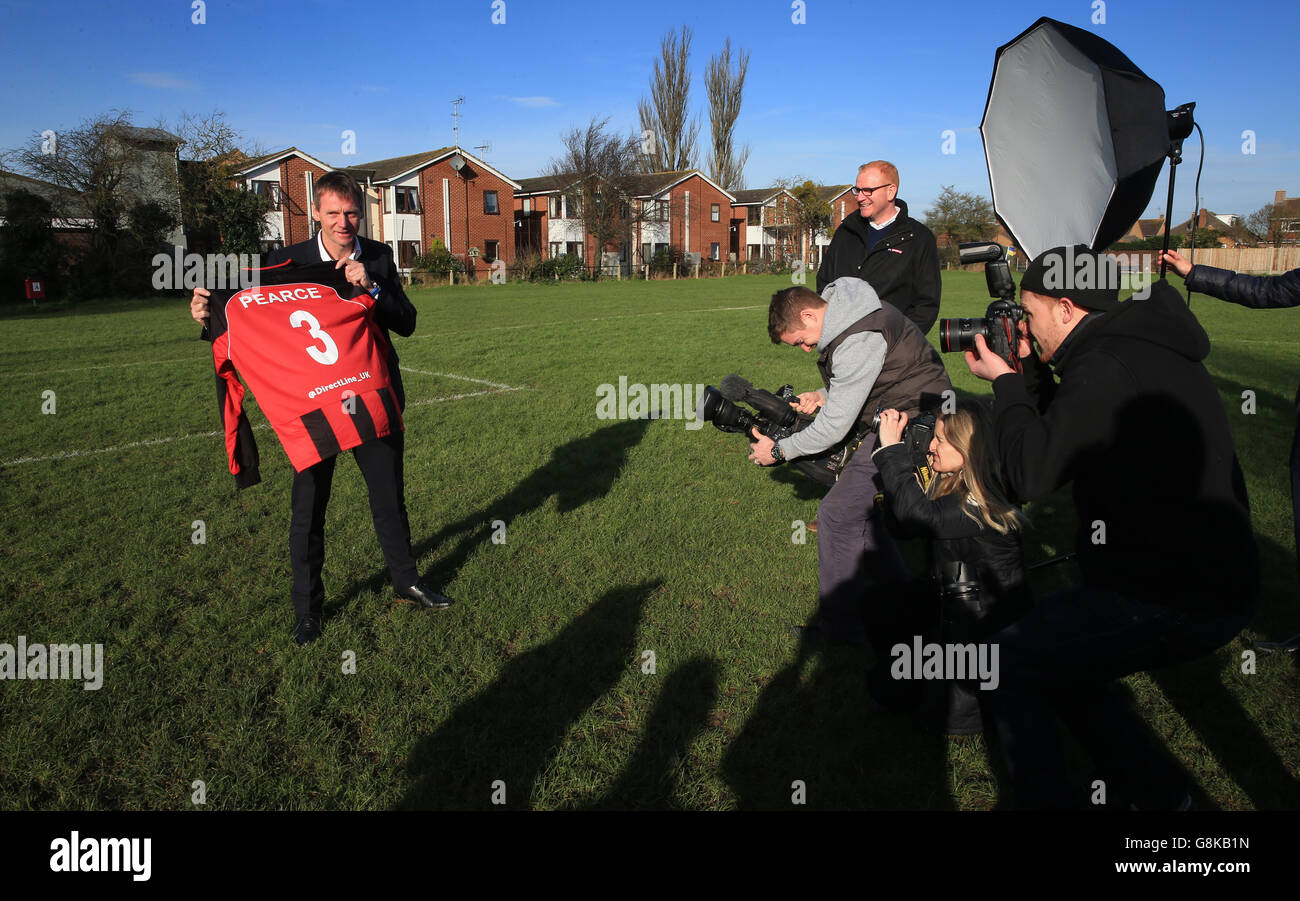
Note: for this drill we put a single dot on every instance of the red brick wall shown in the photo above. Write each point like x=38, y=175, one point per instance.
x=482, y=226
x=704, y=231
x=541, y=204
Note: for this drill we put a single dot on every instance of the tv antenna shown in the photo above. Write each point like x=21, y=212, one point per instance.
x=485, y=148
x=455, y=114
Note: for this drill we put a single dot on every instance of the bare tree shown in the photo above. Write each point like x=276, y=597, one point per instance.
x=1260, y=223
x=217, y=215
x=725, y=89
x=596, y=172
x=812, y=214
x=103, y=171
x=668, y=131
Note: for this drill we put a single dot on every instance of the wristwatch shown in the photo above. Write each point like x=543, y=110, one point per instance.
x=777, y=454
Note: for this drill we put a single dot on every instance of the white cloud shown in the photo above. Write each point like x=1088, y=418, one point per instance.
x=163, y=81
x=536, y=102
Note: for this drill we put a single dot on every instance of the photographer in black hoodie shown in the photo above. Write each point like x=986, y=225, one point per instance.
x=1170, y=572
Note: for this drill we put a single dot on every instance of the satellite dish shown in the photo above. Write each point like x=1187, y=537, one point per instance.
x=457, y=162
x=1074, y=134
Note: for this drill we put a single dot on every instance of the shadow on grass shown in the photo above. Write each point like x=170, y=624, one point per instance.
x=813, y=725
x=578, y=472
x=510, y=731
x=681, y=712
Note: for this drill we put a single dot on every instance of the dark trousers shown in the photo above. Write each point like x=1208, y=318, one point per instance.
x=1059, y=661
x=380, y=462
x=852, y=545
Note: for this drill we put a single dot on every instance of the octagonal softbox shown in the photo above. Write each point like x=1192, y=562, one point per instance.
x=1074, y=135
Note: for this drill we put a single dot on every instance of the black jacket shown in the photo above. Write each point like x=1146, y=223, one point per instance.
x=956, y=538
x=1257, y=292
x=1136, y=424
x=903, y=267
x=393, y=309
x=1260, y=292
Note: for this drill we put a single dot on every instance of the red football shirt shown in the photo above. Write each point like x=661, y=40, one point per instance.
x=306, y=344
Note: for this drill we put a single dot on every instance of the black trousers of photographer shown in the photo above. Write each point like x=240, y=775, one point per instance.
x=380, y=462
x=1060, y=661
x=853, y=548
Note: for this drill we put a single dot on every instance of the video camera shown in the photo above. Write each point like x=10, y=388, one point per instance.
x=1001, y=323
x=776, y=419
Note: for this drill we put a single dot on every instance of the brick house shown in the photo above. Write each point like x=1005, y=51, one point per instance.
x=409, y=200
x=285, y=179
x=448, y=194
x=686, y=211
x=1285, y=220
x=1230, y=230
x=770, y=223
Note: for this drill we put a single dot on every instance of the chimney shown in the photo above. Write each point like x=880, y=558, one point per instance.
x=1279, y=198
x=1200, y=221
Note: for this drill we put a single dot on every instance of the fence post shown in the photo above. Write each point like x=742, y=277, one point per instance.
x=674, y=272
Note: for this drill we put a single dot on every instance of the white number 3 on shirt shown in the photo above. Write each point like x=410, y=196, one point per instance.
x=326, y=356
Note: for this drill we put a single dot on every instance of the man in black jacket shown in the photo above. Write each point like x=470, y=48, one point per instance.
x=1170, y=569
x=882, y=244
x=337, y=206
x=1260, y=293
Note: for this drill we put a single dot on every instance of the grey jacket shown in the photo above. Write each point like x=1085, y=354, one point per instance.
x=858, y=362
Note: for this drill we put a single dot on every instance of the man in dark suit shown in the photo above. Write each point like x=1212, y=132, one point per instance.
x=337, y=205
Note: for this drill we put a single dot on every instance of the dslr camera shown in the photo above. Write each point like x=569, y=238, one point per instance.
x=1001, y=323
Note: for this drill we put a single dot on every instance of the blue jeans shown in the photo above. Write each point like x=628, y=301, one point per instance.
x=1060, y=660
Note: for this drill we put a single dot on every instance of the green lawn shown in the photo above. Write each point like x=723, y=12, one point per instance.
x=621, y=538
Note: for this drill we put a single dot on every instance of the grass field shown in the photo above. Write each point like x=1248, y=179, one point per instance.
x=620, y=538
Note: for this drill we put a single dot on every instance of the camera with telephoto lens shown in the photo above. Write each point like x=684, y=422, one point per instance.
x=1001, y=323
x=774, y=418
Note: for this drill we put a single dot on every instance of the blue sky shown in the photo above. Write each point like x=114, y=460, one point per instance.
x=857, y=81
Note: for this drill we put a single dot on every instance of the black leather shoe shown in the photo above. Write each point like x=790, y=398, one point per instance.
x=306, y=631
x=425, y=596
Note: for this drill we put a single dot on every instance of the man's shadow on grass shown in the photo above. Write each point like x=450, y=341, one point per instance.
x=681, y=712
x=814, y=739
x=577, y=473
x=499, y=741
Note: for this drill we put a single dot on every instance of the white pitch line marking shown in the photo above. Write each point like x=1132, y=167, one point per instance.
x=463, y=378
x=67, y=455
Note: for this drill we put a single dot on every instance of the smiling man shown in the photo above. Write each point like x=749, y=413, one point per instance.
x=337, y=206
x=882, y=244
x=1130, y=418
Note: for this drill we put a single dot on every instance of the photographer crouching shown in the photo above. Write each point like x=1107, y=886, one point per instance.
x=975, y=552
x=870, y=357
x=1133, y=420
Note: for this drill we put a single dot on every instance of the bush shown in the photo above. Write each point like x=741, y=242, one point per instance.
x=528, y=267
x=439, y=260
x=664, y=259
x=564, y=267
